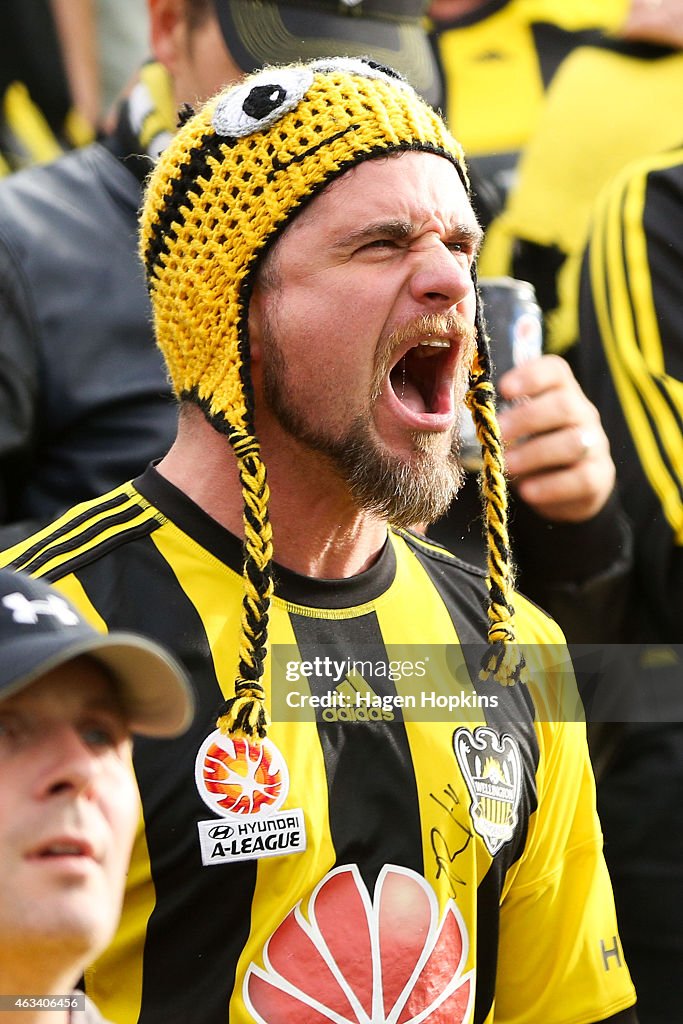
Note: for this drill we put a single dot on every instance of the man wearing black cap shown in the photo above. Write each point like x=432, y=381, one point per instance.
x=69, y=699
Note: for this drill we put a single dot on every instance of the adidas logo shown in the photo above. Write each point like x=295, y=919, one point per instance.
x=356, y=701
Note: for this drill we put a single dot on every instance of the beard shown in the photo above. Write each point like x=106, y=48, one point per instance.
x=406, y=492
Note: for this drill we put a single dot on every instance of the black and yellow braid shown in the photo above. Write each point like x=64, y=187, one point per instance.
x=501, y=661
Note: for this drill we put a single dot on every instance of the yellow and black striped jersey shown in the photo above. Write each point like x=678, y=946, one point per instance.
x=630, y=361
x=497, y=62
x=363, y=864
x=610, y=103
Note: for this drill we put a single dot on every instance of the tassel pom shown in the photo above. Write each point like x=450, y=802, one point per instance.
x=502, y=663
x=244, y=717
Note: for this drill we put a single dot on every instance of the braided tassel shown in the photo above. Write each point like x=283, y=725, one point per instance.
x=501, y=660
x=244, y=715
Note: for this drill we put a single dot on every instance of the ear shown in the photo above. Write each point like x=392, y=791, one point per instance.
x=255, y=325
x=168, y=31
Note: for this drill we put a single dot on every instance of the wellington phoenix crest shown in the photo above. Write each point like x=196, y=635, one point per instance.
x=492, y=769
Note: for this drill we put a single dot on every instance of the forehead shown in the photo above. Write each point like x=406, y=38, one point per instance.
x=80, y=683
x=416, y=187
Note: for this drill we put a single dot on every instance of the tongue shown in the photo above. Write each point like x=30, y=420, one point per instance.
x=411, y=397
x=406, y=391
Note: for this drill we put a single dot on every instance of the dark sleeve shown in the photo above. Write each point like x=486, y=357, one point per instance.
x=630, y=363
x=578, y=572
x=18, y=387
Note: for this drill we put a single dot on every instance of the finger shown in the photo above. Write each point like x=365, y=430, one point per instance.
x=556, y=449
x=536, y=376
x=572, y=494
x=555, y=409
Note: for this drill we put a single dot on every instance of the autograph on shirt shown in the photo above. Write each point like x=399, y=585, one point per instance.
x=445, y=851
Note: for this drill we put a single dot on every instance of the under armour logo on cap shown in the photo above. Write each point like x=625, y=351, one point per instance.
x=27, y=612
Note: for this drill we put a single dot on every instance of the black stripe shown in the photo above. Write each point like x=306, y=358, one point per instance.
x=190, y=948
x=172, y=215
x=488, y=927
x=23, y=560
x=553, y=43
x=60, y=551
x=464, y=593
x=657, y=435
x=370, y=777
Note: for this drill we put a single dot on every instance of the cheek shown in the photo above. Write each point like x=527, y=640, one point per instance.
x=121, y=807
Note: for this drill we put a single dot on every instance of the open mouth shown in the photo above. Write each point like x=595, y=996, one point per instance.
x=421, y=379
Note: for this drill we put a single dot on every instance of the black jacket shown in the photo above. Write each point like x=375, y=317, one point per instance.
x=84, y=400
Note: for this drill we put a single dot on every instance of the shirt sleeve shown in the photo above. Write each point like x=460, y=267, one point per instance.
x=560, y=957
x=18, y=389
x=630, y=362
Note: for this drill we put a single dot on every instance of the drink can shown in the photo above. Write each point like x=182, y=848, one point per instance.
x=515, y=328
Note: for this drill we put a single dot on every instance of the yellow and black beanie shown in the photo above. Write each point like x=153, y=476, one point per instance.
x=233, y=178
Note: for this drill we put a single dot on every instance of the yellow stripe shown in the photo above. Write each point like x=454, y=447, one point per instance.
x=29, y=125
x=629, y=371
x=99, y=516
x=164, y=116
x=295, y=876
x=103, y=535
x=115, y=980
x=639, y=279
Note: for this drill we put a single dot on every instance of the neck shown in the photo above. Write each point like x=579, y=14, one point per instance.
x=32, y=979
x=317, y=529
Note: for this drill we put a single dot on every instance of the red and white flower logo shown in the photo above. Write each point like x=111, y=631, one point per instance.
x=237, y=777
x=357, y=960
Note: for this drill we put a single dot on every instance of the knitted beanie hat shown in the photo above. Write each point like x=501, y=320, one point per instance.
x=233, y=178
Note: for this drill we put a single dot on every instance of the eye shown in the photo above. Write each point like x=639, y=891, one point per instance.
x=103, y=732
x=380, y=243
x=261, y=101
x=10, y=728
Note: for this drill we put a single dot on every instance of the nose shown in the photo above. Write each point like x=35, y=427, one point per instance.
x=441, y=278
x=69, y=764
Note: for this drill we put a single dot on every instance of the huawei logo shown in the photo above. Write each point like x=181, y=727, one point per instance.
x=346, y=957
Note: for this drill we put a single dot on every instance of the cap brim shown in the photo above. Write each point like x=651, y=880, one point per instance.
x=261, y=34
x=155, y=692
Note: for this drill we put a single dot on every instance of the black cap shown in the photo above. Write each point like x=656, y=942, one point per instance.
x=40, y=630
x=263, y=32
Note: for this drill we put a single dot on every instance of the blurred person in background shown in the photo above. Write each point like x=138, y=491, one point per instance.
x=48, y=80
x=612, y=100
x=498, y=59
x=629, y=357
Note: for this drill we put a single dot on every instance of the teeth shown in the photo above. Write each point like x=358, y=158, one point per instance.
x=425, y=349
x=61, y=849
